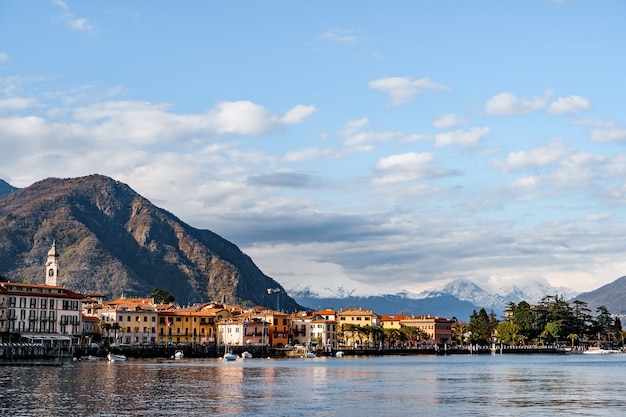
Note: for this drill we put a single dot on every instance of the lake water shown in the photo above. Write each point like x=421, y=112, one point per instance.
x=459, y=385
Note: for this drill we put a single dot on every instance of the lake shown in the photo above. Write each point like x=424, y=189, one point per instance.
x=460, y=385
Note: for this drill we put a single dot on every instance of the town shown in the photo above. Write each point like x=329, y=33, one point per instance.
x=48, y=320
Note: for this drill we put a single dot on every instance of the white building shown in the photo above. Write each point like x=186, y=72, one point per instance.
x=41, y=313
x=245, y=330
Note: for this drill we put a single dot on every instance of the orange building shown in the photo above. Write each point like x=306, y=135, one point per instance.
x=438, y=330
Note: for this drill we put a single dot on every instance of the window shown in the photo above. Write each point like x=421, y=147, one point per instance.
x=11, y=301
x=51, y=304
x=43, y=303
x=33, y=302
x=22, y=301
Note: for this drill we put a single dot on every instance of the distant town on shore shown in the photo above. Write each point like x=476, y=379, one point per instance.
x=59, y=320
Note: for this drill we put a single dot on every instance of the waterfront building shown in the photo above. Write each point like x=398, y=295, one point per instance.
x=41, y=313
x=354, y=325
x=278, y=326
x=190, y=325
x=393, y=321
x=437, y=330
x=91, y=330
x=317, y=328
x=248, y=329
x=129, y=320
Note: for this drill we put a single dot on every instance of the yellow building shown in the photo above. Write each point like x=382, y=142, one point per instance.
x=353, y=326
x=393, y=321
x=129, y=321
x=190, y=325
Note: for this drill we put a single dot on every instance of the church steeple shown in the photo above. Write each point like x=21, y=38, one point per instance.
x=52, y=265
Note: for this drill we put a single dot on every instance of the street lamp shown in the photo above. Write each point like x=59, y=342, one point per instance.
x=276, y=291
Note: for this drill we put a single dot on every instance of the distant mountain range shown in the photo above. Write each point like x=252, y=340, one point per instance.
x=113, y=241
x=457, y=299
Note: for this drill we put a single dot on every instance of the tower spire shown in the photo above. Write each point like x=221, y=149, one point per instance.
x=52, y=265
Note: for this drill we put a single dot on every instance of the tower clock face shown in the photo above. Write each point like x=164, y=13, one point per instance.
x=51, y=272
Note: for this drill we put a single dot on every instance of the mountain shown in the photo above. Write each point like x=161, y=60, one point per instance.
x=113, y=241
x=458, y=298
x=6, y=188
x=442, y=306
x=612, y=296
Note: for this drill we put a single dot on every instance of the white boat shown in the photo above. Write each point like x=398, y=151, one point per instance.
x=339, y=354
x=230, y=356
x=179, y=354
x=112, y=357
x=299, y=351
x=598, y=351
x=246, y=355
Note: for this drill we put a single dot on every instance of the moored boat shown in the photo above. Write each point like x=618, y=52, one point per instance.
x=112, y=357
x=230, y=356
x=179, y=354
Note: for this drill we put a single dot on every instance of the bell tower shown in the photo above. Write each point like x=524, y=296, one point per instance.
x=52, y=265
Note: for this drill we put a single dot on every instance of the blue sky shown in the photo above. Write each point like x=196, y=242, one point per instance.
x=357, y=145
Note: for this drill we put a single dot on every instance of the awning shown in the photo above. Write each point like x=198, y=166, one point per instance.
x=47, y=337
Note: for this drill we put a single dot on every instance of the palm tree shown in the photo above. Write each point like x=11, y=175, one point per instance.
x=572, y=337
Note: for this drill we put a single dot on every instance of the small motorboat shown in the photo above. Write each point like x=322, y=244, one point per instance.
x=339, y=354
x=230, y=356
x=246, y=355
x=179, y=354
x=112, y=357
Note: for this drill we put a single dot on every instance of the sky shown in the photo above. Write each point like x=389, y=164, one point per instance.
x=353, y=147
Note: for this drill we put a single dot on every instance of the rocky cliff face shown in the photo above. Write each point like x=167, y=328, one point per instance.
x=114, y=241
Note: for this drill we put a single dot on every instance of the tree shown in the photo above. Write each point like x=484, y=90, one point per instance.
x=161, y=296
x=508, y=333
x=551, y=331
x=572, y=337
x=482, y=326
x=604, y=321
x=523, y=318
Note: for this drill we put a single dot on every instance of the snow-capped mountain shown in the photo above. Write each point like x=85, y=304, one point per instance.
x=456, y=299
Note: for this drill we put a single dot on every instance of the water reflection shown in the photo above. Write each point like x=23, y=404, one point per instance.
x=399, y=386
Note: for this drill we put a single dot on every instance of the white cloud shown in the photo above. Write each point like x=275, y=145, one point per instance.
x=449, y=120
x=361, y=140
x=3, y=57
x=308, y=154
x=340, y=36
x=508, y=104
x=407, y=167
x=542, y=156
x=74, y=22
x=298, y=114
x=569, y=105
x=609, y=134
x=462, y=138
x=16, y=103
x=403, y=90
